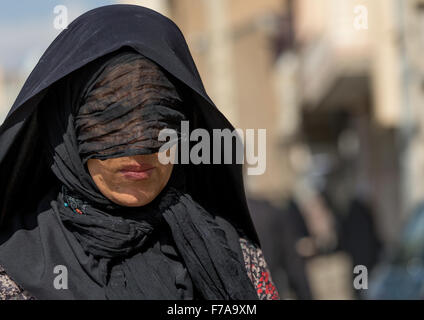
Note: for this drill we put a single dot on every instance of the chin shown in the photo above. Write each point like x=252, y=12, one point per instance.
x=128, y=200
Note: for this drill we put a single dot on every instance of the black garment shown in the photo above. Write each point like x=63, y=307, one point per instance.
x=33, y=235
x=358, y=235
x=130, y=256
x=134, y=255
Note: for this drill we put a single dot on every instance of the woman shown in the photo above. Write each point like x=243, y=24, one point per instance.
x=87, y=210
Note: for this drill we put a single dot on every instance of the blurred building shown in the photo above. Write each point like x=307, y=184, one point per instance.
x=410, y=17
x=3, y=108
x=350, y=91
x=361, y=97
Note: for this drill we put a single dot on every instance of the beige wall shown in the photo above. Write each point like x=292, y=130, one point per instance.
x=411, y=45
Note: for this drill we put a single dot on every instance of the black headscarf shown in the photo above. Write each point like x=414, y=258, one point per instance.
x=34, y=218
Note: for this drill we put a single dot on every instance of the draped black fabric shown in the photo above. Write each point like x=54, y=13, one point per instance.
x=193, y=235
x=114, y=238
x=132, y=256
x=129, y=259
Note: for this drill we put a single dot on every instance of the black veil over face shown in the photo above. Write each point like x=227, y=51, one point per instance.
x=25, y=177
x=125, y=108
x=113, y=107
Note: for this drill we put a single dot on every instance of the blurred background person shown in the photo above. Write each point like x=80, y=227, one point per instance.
x=279, y=231
x=400, y=274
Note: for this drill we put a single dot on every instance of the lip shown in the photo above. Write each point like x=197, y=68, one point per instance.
x=137, y=172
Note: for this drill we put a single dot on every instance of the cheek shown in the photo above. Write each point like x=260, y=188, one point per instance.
x=164, y=170
x=102, y=174
x=166, y=173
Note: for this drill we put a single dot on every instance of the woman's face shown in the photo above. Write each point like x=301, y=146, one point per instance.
x=130, y=181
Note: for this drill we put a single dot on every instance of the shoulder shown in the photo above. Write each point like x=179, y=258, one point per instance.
x=258, y=271
x=9, y=290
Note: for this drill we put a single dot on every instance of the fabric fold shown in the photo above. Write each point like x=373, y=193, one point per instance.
x=133, y=255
